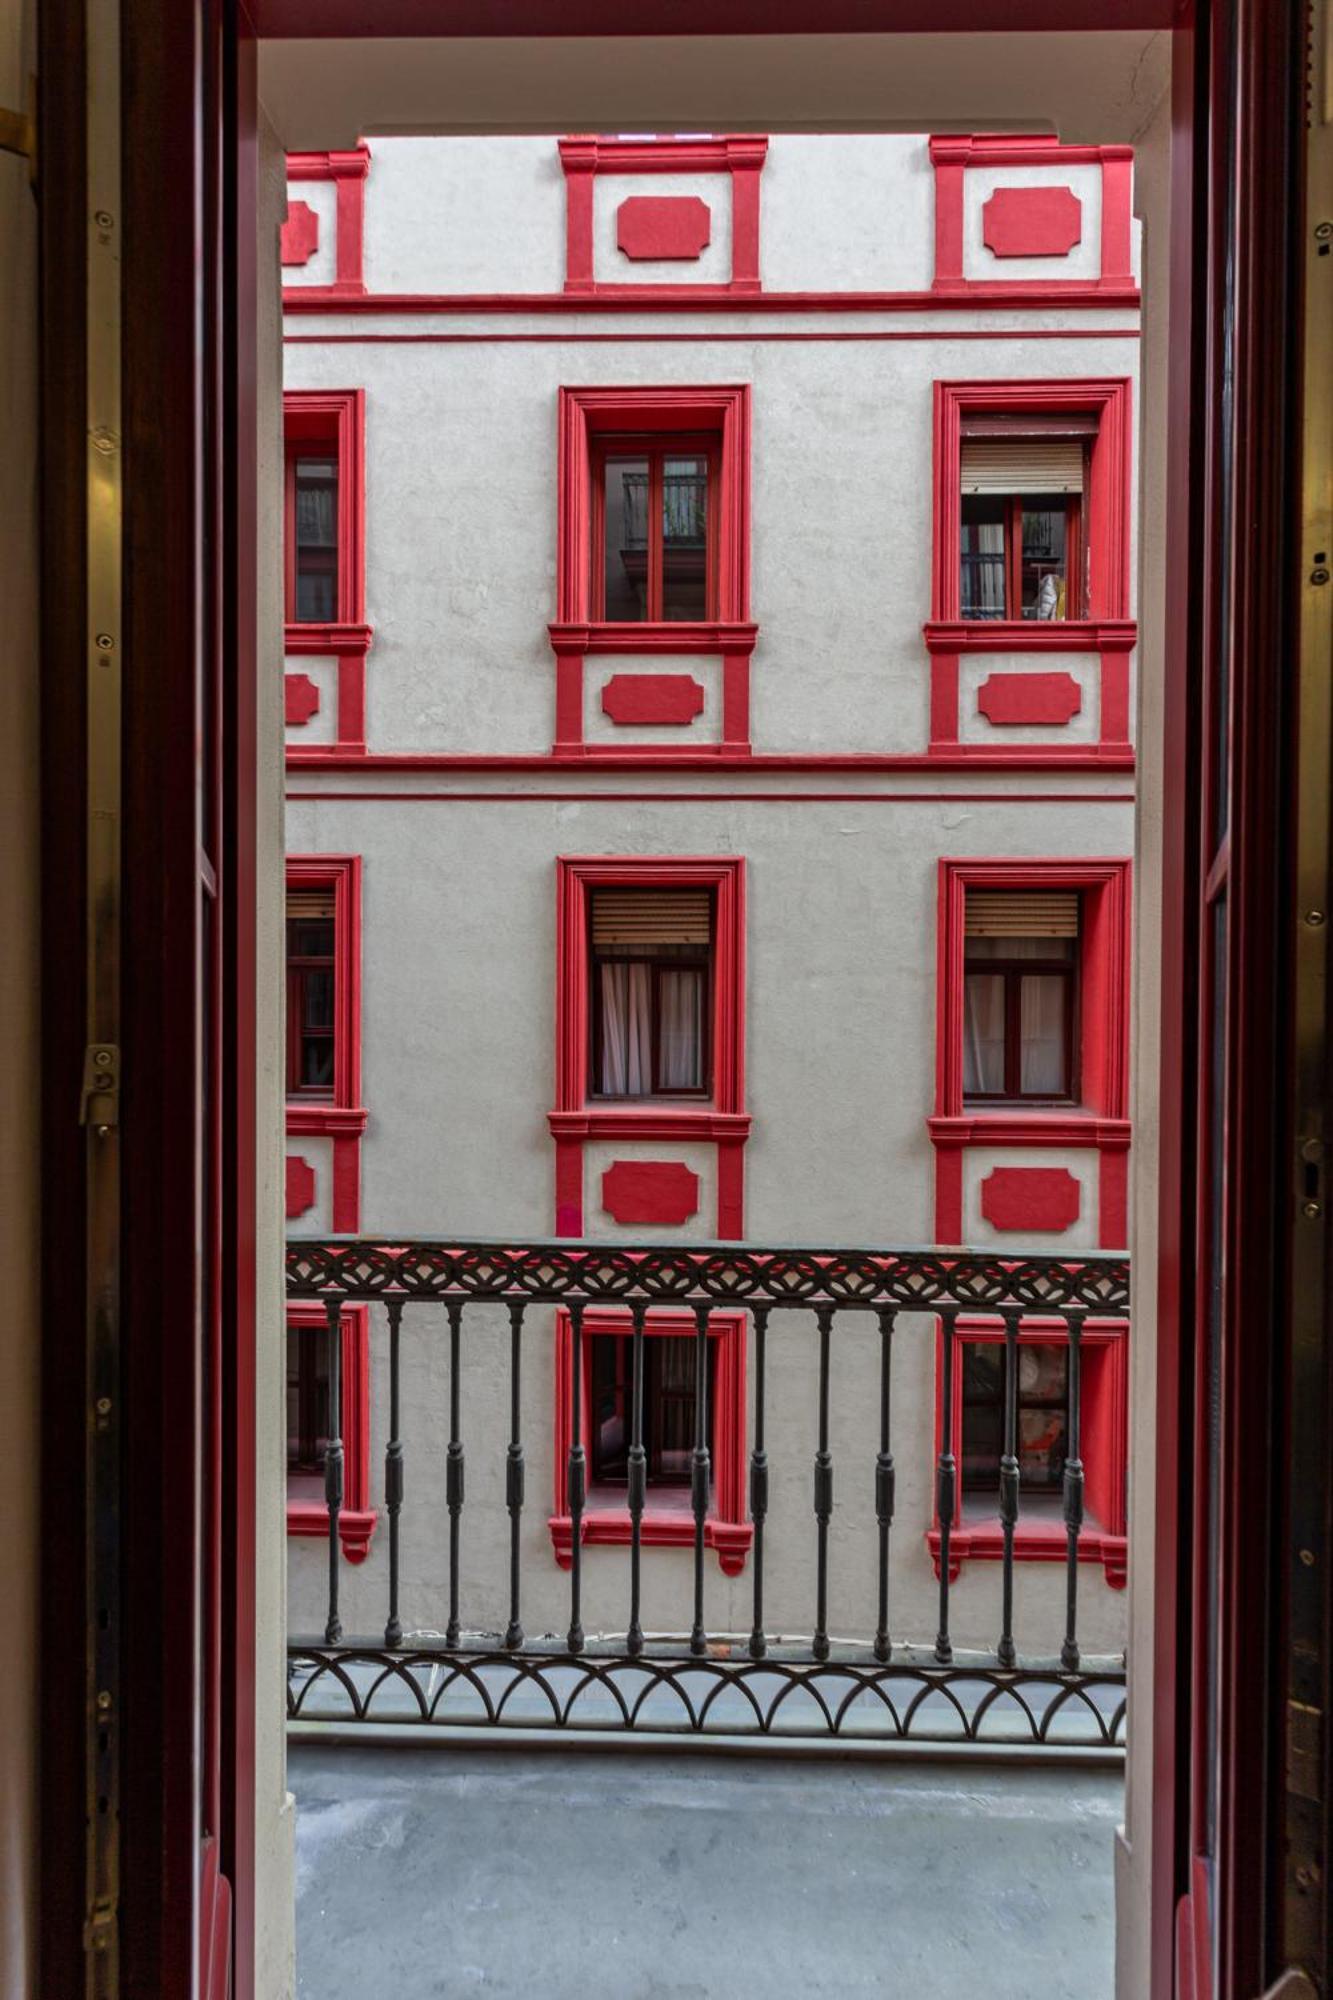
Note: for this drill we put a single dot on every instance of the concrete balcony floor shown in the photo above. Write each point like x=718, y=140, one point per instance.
x=632, y=1875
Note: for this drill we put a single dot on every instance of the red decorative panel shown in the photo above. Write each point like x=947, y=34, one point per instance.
x=299, y=237
x=663, y=227
x=1016, y=698
x=1018, y=1198
x=300, y=1186
x=649, y=699
x=650, y=1191
x=1032, y=222
x=302, y=699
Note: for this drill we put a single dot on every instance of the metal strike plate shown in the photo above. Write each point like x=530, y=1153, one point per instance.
x=1304, y=1751
x=100, y=1103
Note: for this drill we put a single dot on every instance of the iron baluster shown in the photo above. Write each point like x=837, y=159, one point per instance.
x=577, y=1474
x=946, y=1487
x=453, y=1463
x=333, y=1465
x=514, y=1470
x=759, y=1482
x=884, y=1478
x=636, y=1480
x=823, y=1489
x=393, y=1475
x=1005, y=1652
x=1073, y=1490
x=699, y=1474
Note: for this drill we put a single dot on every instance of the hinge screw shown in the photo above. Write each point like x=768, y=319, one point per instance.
x=103, y=1699
x=104, y=1406
x=104, y=220
x=1319, y=576
x=1311, y=1210
x=1323, y=230
x=105, y=642
x=1314, y=918
x=1307, y=1557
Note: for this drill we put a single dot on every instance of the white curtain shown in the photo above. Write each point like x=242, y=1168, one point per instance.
x=1042, y=1025
x=316, y=515
x=627, y=1039
x=983, y=1034
x=989, y=584
x=682, y=1029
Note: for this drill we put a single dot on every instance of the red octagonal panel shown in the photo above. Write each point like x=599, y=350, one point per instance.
x=301, y=698
x=300, y=1186
x=1032, y=222
x=650, y=1191
x=1005, y=699
x=1018, y=1198
x=651, y=699
x=663, y=228
x=299, y=235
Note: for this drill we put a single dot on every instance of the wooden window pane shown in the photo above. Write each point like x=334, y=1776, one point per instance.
x=685, y=538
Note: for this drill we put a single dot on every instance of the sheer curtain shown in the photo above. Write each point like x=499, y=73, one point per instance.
x=316, y=508
x=627, y=1037
x=682, y=1029
x=983, y=1034
x=1042, y=1025
x=989, y=575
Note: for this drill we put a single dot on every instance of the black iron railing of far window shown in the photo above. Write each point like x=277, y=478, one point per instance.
x=429, y=1289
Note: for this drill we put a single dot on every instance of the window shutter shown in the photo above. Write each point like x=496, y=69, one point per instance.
x=639, y=919
x=309, y=903
x=1022, y=465
x=1026, y=913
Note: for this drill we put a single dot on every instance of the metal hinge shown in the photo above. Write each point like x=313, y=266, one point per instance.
x=18, y=130
x=100, y=1103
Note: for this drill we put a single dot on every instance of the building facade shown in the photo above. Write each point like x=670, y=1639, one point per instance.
x=710, y=570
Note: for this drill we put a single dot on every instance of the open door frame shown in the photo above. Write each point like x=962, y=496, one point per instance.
x=182, y=1619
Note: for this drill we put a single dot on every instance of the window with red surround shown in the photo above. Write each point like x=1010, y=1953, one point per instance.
x=740, y=156
x=308, y=1425
x=605, y=1381
x=1041, y=1396
x=324, y=1019
x=680, y=922
x=1078, y=1035
x=653, y=542
x=324, y=559
x=1033, y=503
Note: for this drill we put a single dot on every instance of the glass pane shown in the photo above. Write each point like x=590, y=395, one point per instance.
x=610, y=1389
x=1044, y=577
x=681, y=1028
x=626, y=1068
x=1043, y=1415
x=307, y=1399
x=983, y=1034
x=982, y=556
x=685, y=538
x=626, y=538
x=317, y=1062
x=1042, y=1035
x=316, y=528
x=317, y=994
x=310, y=937
x=672, y=1409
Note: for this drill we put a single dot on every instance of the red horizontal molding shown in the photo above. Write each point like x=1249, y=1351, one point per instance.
x=1030, y=1128
x=1088, y=757
x=1024, y=635
x=658, y=1121
x=1071, y=293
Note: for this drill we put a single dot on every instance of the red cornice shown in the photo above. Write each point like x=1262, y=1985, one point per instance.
x=650, y=1121
x=1088, y=757
x=1030, y=1128
x=720, y=154
x=1024, y=635
x=306, y=1118
x=1033, y=294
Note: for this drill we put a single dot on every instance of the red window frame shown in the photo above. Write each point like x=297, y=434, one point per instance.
x=1013, y=563
x=340, y=1116
x=298, y=965
x=668, y=1521
x=652, y=447
x=328, y=423
x=1109, y=493
x=306, y=1514
x=578, y=1116
x=977, y=1534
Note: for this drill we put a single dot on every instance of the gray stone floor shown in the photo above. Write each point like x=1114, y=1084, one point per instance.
x=652, y=1876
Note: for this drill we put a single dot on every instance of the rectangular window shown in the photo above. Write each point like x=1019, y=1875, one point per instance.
x=311, y=993
x=1023, y=533
x=651, y=953
x=668, y=1407
x=312, y=535
x=1041, y=1398
x=307, y=1410
x=1020, y=995
x=654, y=547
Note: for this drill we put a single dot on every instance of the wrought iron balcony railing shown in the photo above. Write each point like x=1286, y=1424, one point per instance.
x=877, y=1685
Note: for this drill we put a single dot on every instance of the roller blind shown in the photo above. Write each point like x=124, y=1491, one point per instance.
x=1021, y=913
x=309, y=903
x=640, y=919
x=1022, y=465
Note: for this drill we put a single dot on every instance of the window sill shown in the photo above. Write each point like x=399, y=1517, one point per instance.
x=711, y=635
x=1034, y=1541
x=356, y=1525
x=313, y=1116
x=665, y=1525
x=1061, y=1125
x=649, y=1118
x=1030, y=635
